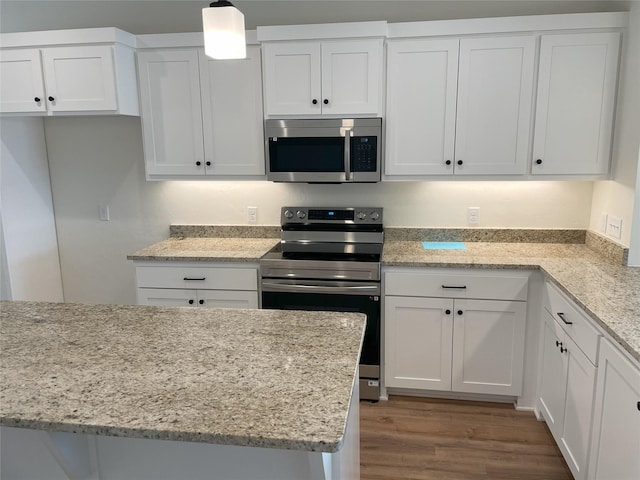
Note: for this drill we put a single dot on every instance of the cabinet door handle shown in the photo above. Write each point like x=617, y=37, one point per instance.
x=539, y=161
x=51, y=99
x=37, y=99
x=314, y=101
x=208, y=163
x=558, y=343
x=201, y=302
x=194, y=278
x=460, y=312
x=460, y=162
x=561, y=315
x=190, y=302
x=459, y=287
x=326, y=101
x=447, y=312
x=198, y=163
x=638, y=405
x=562, y=349
x=448, y=162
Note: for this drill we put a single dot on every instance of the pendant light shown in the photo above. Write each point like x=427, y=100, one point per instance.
x=223, y=26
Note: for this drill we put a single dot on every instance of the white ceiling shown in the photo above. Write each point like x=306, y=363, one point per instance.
x=153, y=16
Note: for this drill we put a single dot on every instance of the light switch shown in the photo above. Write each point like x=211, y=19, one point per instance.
x=614, y=226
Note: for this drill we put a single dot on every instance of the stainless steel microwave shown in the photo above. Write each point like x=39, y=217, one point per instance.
x=338, y=150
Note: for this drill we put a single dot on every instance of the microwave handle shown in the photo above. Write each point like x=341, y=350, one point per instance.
x=347, y=155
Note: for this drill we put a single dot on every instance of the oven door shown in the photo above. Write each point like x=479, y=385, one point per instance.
x=336, y=296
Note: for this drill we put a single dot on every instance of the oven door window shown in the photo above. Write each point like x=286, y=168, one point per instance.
x=309, y=154
x=368, y=305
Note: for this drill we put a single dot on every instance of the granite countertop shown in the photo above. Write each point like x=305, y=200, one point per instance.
x=261, y=378
x=608, y=293
x=207, y=249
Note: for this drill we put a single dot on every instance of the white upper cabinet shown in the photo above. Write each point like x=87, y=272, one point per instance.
x=495, y=88
x=332, y=77
x=232, y=121
x=575, y=103
x=459, y=106
x=21, y=82
x=422, y=82
x=171, y=112
x=71, y=79
x=201, y=118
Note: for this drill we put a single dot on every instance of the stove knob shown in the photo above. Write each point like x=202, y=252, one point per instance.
x=374, y=216
x=301, y=214
x=288, y=214
x=361, y=215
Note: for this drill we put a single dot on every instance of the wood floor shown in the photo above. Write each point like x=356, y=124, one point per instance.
x=408, y=438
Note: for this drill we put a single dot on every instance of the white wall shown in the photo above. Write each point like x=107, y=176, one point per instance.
x=616, y=197
x=99, y=160
x=30, y=270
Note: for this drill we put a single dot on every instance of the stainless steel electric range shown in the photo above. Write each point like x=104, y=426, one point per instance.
x=329, y=259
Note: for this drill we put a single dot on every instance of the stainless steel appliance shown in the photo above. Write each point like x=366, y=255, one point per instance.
x=334, y=150
x=329, y=259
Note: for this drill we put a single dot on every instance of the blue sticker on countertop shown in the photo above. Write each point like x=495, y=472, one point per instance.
x=444, y=246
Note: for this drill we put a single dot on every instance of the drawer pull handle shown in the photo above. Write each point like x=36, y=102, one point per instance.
x=194, y=278
x=460, y=287
x=561, y=315
x=558, y=344
x=562, y=349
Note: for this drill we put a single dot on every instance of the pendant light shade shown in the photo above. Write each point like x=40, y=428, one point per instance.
x=223, y=26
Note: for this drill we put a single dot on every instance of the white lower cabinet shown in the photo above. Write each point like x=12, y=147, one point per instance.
x=615, y=442
x=566, y=394
x=212, y=286
x=569, y=345
x=473, y=343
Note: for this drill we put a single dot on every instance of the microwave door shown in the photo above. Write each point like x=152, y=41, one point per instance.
x=311, y=159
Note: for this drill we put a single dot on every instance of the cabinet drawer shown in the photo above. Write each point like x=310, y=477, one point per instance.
x=218, y=278
x=573, y=321
x=459, y=284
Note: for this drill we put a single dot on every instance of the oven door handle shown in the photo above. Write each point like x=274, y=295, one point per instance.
x=372, y=289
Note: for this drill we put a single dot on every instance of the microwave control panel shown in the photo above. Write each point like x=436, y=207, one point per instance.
x=364, y=154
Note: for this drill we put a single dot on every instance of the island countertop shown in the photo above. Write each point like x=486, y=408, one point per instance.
x=261, y=378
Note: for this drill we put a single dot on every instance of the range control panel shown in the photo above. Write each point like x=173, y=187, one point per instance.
x=335, y=215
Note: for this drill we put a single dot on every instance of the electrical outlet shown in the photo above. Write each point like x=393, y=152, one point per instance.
x=473, y=215
x=103, y=212
x=614, y=227
x=252, y=214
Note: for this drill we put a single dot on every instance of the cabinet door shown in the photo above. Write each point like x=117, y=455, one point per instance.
x=421, y=106
x=488, y=346
x=553, y=376
x=167, y=297
x=575, y=103
x=292, y=78
x=615, y=444
x=232, y=114
x=351, y=77
x=418, y=342
x=581, y=375
x=80, y=79
x=495, y=88
x=227, y=299
x=171, y=112
x=21, y=82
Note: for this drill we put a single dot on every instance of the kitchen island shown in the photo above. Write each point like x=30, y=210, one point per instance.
x=110, y=392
